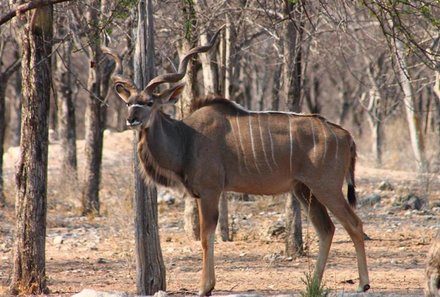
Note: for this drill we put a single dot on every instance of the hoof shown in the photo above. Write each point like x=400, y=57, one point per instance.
x=208, y=293
x=365, y=288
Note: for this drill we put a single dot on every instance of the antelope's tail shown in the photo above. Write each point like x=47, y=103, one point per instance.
x=351, y=191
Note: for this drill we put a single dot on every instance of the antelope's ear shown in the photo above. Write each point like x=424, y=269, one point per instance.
x=171, y=95
x=124, y=90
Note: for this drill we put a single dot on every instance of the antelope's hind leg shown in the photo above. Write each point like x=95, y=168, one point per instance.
x=320, y=219
x=335, y=202
x=208, y=214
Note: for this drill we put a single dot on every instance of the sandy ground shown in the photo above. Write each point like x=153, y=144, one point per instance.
x=97, y=252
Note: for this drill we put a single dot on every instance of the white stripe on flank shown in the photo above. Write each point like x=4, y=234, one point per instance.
x=271, y=141
x=262, y=144
x=254, y=153
x=237, y=148
x=313, y=135
x=325, y=139
x=241, y=142
x=291, y=142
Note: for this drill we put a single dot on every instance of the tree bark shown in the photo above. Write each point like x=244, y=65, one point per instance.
x=94, y=118
x=150, y=268
x=29, y=272
x=3, y=85
x=210, y=73
x=376, y=140
x=66, y=105
x=228, y=50
x=436, y=116
x=232, y=61
x=292, y=52
x=276, y=86
x=376, y=104
x=223, y=218
x=15, y=125
x=294, y=241
x=412, y=116
x=312, y=91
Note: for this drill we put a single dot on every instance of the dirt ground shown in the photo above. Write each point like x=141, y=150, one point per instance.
x=97, y=252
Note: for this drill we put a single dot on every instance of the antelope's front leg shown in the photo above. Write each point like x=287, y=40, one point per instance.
x=208, y=214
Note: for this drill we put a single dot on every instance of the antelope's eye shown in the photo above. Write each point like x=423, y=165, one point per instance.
x=150, y=103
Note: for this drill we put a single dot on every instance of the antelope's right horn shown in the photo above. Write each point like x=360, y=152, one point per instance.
x=175, y=77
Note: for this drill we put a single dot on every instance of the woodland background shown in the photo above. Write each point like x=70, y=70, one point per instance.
x=345, y=56
x=370, y=66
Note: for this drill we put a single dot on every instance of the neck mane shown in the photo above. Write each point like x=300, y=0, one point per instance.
x=216, y=100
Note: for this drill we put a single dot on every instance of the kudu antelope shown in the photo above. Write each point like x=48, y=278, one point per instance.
x=221, y=146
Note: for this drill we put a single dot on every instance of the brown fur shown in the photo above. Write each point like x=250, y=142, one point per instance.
x=228, y=105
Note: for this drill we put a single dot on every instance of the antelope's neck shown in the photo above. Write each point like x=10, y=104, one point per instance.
x=165, y=140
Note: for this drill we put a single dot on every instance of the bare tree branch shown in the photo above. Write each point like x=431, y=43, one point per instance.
x=22, y=8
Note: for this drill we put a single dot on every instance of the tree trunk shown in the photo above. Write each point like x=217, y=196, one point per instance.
x=276, y=86
x=223, y=217
x=375, y=106
x=436, y=90
x=346, y=103
x=53, y=109
x=312, y=90
x=210, y=73
x=232, y=61
x=150, y=268
x=3, y=84
x=294, y=241
x=412, y=116
x=376, y=140
x=94, y=118
x=29, y=272
x=191, y=218
x=15, y=125
x=375, y=119
x=228, y=50
x=292, y=71
x=66, y=105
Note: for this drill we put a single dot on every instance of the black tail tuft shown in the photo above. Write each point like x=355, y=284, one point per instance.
x=351, y=192
x=351, y=195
